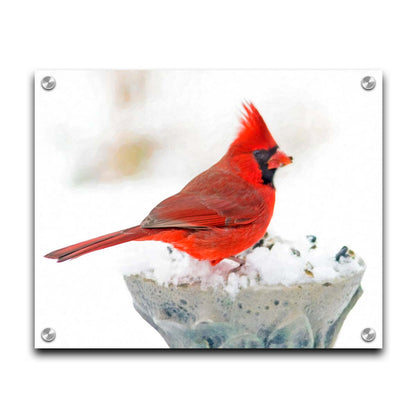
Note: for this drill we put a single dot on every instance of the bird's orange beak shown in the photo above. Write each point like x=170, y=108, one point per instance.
x=279, y=159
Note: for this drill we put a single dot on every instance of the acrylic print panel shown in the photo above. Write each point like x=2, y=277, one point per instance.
x=111, y=145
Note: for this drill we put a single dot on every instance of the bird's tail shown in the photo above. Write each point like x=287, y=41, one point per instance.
x=98, y=243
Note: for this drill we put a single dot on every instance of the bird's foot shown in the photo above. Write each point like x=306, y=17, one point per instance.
x=241, y=263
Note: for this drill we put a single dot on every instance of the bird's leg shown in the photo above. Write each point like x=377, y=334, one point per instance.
x=240, y=262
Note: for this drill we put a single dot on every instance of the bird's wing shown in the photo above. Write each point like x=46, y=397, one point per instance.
x=213, y=199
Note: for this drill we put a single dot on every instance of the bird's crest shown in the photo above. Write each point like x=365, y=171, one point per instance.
x=254, y=133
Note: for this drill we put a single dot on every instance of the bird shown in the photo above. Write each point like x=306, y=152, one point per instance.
x=218, y=214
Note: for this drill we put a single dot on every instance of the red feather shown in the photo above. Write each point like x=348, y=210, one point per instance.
x=252, y=126
x=201, y=206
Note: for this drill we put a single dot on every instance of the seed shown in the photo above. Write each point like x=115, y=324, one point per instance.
x=309, y=266
x=311, y=238
x=341, y=253
x=308, y=273
x=295, y=252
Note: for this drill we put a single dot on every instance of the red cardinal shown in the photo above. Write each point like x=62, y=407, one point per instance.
x=221, y=212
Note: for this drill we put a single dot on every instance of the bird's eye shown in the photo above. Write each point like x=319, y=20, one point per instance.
x=256, y=152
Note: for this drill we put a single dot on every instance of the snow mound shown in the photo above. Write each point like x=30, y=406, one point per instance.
x=271, y=261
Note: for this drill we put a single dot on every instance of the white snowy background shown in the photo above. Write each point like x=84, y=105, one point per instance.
x=166, y=127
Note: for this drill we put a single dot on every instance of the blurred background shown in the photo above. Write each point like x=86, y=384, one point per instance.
x=110, y=145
